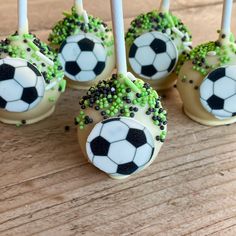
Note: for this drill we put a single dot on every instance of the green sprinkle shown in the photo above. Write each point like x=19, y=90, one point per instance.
x=51, y=99
x=62, y=86
x=130, y=83
x=33, y=46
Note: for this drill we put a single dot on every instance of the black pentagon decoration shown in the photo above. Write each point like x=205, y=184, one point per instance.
x=148, y=70
x=133, y=50
x=152, y=153
x=216, y=74
x=6, y=72
x=215, y=102
x=158, y=46
x=62, y=46
x=86, y=45
x=72, y=68
x=100, y=146
x=110, y=120
x=136, y=137
x=127, y=169
x=34, y=69
x=3, y=103
x=99, y=68
x=29, y=95
x=172, y=65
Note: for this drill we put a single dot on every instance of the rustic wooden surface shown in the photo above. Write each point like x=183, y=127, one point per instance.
x=48, y=188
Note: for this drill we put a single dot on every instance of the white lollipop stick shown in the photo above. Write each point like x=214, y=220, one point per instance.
x=80, y=10
x=23, y=26
x=226, y=19
x=79, y=6
x=165, y=6
x=118, y=27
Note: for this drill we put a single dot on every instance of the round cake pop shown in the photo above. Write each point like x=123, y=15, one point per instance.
x=207, y=78
x=86, y=47
x=154, y=42
x=31, y=76
x=122, y=124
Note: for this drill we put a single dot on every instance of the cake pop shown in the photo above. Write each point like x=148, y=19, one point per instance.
x=86, y=47
x=207, y=78
x=31, y=76
x=154, y=42
x=121, y=125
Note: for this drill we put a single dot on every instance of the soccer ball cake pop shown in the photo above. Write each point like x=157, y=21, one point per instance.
x=154, y=42
x=121, y=125
x=31, y=77
x=207, y=78
x=86, y=47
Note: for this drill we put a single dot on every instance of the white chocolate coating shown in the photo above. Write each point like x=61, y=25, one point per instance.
x=74, y=24
x=141, y=116
x=52, y=88
x=41, y=112
x=182, y=41
x=190, y=79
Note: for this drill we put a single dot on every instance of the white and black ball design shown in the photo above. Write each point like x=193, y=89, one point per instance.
x=218, y=92
x=120, y=146
x=22, y=86
x=153, y=55
x=83, y=57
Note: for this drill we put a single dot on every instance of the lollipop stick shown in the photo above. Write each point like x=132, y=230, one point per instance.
x=165, y=6
x=118, y=27
x=80, y=10
x=23, y=26
x=226, y=19
x=79, y=6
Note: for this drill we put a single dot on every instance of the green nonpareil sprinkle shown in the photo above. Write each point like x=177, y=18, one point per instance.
x=154, y=21
x=62, y=86
x=33, y=46
x=198, y=56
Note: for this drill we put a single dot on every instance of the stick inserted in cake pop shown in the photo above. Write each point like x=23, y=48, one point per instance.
x=146, y=38
x=211, y=69
x=80, y=10
x=128, y=110
x=226, y=20
x=165, y=6
x=36, y=75
x=85, y=46
x=118, y=28
x=23, y=26
x=79, y=6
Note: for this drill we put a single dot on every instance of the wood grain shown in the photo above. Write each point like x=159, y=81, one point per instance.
x=48, y=188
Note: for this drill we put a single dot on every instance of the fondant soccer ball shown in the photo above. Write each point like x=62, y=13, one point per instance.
x=153, y=55
x=22, y=86
x=120, y=146
x=83, y=57
x=218, y=92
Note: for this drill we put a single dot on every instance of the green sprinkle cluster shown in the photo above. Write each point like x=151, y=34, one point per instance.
x=73, y=24
x=26, y=46
x=155, y=21
x=198, y=56
x=117, y=98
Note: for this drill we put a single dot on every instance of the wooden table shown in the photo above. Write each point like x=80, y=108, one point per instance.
x=48, y=188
